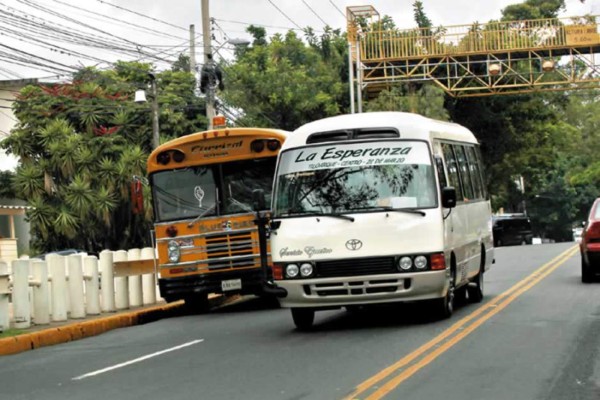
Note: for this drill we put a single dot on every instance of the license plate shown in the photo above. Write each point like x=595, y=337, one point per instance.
x=231, y=284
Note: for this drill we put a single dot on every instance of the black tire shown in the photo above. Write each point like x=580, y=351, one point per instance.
x=475, y=288
x=444, y=307
x=303, y=318
x=586, y=271
x=197, y=304
x=460, y=295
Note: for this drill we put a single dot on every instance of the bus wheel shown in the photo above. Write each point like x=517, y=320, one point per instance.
x=303, y=318
x=197, y=304
x=444, y=307
x=475, y=288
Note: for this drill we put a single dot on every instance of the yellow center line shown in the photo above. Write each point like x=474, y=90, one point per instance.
x=492, y=308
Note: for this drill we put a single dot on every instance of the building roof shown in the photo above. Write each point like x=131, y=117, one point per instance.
x=14, y=210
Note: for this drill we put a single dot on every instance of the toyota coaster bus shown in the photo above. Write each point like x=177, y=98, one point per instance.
x=377, y=208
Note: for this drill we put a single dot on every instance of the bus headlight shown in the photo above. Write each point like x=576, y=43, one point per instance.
x=421, y=262
x=173, y=251
x=405, y=263
x=292, y=270
x=306, y=270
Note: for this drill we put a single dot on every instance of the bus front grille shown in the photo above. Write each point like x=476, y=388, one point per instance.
x=231, y=250
x=356, y=266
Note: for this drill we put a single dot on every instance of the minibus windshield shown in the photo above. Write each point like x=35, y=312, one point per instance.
x=355, y=178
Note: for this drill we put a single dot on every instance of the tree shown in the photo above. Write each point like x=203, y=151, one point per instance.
x=533, y=9
x=79, y=146
x=428, y=100
x=284, y=83
x=6, y=190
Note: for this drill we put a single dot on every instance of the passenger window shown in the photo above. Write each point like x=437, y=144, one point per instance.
x=474, y=172
x=439, y=164
x=452, y=167
x=464, y=173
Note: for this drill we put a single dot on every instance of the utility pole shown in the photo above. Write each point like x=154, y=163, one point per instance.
x=193, y=50
x=206, y=37
x=155, y=133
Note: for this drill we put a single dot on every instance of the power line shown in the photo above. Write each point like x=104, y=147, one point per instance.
x=61, y=16
x=315, y=13
x=336, y=7
x=112, y=18
x=255, y=24
x=285, y=15
x=141, y=15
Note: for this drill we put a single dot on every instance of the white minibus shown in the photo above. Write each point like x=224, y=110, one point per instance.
x=377, y=208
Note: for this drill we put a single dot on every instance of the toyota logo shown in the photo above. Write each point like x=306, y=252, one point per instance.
x=353, y=244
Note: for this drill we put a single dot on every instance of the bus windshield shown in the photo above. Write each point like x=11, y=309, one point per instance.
x=211, y=190
x=357, y=177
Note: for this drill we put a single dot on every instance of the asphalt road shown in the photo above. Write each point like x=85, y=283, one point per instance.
x=536, y=335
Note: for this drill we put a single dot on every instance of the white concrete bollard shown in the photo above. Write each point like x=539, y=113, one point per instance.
x=107, y=281
x=76, y=296
x=121, y=285
x=135, y=282
x=148, y=280
x=57, y=267
x=41, y=292
x=4, y=294
x=20, y=294
x=92, y=291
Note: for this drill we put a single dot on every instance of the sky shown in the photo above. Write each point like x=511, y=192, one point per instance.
x=62, y=35
x=49, y=39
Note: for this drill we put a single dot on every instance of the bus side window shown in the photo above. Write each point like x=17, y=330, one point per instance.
x=453, y=179
x=474, y=172
x=481, y=172
x=439, y=164
x=465, y=176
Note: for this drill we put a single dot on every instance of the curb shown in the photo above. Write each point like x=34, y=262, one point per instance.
x=81, y=330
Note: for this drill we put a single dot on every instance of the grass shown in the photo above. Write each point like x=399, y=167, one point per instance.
x=11, y=332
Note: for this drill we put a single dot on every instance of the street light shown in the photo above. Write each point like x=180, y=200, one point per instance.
x=140, y=97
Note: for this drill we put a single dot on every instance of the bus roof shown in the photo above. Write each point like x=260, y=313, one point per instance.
x=220, y=133
x=410, y=126
x=213, y=138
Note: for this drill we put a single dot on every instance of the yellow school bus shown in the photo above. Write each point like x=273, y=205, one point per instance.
x=205, y=233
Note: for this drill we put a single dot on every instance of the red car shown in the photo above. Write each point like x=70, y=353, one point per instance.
x=590, y=244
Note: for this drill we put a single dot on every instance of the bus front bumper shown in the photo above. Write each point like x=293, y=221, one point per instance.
x=367, y=289
x=172, y=289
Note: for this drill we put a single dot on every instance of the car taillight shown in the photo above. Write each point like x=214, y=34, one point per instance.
x=277, y=271
x=438, y=261
x=593, y=231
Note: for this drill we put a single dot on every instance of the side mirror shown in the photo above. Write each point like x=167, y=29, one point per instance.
x=449, y=197
x=258, y=199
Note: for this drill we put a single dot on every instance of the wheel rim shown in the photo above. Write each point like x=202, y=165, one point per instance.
x=480, y=282
x=450, y=295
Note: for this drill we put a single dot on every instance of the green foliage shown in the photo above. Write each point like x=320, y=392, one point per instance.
x=428, y=100
x=6, y=185
x=285, y=83
x=79, y=145
x=533, y=9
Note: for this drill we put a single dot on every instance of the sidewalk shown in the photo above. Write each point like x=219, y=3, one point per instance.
x=74, y=329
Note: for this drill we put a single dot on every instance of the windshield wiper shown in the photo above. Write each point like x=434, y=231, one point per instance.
x=321, y=214
x=209, y=209
x=387, y=208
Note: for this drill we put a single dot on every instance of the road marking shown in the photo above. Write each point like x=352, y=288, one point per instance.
x=143, y=358
x=411, y=363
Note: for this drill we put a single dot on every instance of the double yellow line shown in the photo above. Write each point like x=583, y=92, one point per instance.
x=391, y=377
